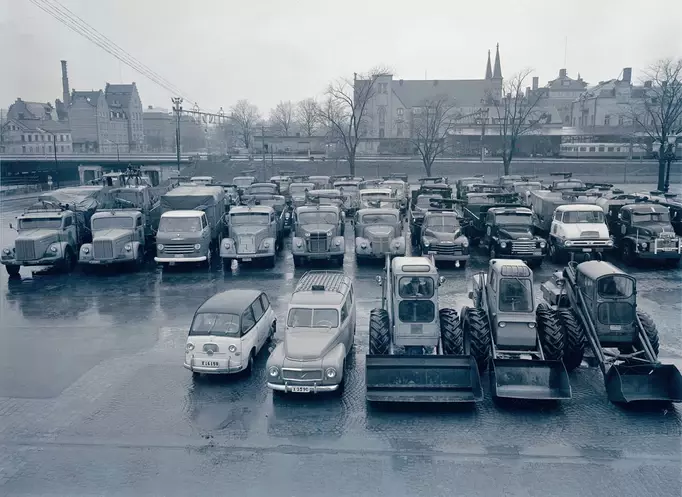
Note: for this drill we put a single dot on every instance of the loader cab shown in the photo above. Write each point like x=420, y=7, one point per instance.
x=511, y=285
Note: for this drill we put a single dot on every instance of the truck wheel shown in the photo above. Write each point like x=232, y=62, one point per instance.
x=476, y=330
x=70, y=260
x=339, y=261
x=492, y=252
x=550, y=333
x=227, y=264
x=534, y=263
x=574, y=334
x=554, y=253
x=650, y=330
x=298, y=261
x=379, y=332
x=270, y=261
x=12, y=270
x=451, y=335
x=628, y=254
x=139, y=260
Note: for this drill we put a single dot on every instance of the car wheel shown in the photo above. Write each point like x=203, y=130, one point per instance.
x=249, y=367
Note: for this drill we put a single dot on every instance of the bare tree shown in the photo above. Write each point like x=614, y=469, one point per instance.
x=345, y=111
x=245, y=115
x=432, y=121
x=308, y=115
x=659, y=112
x=517, y=114
x=282, y=116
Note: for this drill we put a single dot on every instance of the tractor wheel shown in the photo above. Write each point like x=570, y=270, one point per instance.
x=451, y=335
x=650, y=330
x=379, y=332
x=574, y=346
x=550, y=333
x=476, y=329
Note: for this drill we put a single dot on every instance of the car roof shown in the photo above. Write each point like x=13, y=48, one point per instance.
x=229, y=301
x=597, y=269
x=511, y=210
x=400, y=263
x=646, y=207
x=258, y=209
x=579, y=207
x=325, y=191
x=303, y=183
x=182, y=213
x=368, y=191
x=318, y=207
x=334, y=286
x=264, y=183
x=319, y=177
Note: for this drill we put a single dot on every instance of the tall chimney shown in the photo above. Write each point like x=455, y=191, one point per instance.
x=562, y=73
x=627, y=74
x=536, y=82
x=66, y=94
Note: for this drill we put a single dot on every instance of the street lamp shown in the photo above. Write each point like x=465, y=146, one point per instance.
x=54, y=145
x=177, y=108
x=669, y=158
x=118, y=155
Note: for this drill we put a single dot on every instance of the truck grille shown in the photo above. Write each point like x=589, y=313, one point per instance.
x=318, y=242
x=25, y=250
x=295, y=375
x=247, y=244
x=523, y=247
x=447, y=249
x=380, y=244
x=589, y=234
x=103, y=249
x=666, y=243
x=179, y=249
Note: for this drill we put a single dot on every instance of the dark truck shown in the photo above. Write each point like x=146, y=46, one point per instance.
x=509, y=235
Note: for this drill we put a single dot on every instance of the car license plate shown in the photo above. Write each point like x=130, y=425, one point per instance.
x=211, y=364
x=94, y=262
x=615, y=327
x=301, y=389
x=537, y=252
x=587, y=250
x=247, y=259
x=178, y=256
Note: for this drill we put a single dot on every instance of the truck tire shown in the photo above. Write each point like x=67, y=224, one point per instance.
x=555, y=254
x=139, y=259
x=339, y=261
x=650, y=330
x=270, y=261
x=12, y=270
x=628, y=253
x=492, y=251
x=476, y=329
x=574, y=334
x=379, y=332
x=550, y=333
x=227, y=264
x=298, y=261
x=70, y=260
x=451, y=335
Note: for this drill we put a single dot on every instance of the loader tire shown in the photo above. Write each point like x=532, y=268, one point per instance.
x=550, y=333
x=451, y=335
x=650, y=330
x=574, y=333
x=379, y=332
x=476, y=329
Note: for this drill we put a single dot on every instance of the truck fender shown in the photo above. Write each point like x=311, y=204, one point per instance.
x=335, y=358
x=270, y=239
x=137, y=246
x=63, y=245
x=82, y=254
x=298, y=244
x=342, y=245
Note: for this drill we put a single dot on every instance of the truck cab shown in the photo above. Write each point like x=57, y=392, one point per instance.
x=509, y=235
x=253, y=235
x=578, y=228
x=283, y=183
x=321, y=182
x=317, y=234
x=243, y=181
x=202, y=180
x=442, y=237
x=261, y=188
x=370, y=197
x=184, y=236
x=298, y=192
x=378, y=231
x=118, y=237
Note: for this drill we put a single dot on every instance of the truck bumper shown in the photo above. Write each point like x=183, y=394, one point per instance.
x=247, y=257
x=442, y=257
x=173, y=260
x=666, y=255
x=45, y=261
x=308, y=389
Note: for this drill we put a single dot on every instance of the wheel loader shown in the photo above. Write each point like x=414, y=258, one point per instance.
x=523, y=347
x=416, y=351
x=597, y=306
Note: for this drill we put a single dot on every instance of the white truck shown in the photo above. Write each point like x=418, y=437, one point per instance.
x=578, y=228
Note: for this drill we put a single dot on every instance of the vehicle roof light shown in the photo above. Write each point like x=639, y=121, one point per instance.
x=416, y=268
x=515, y=271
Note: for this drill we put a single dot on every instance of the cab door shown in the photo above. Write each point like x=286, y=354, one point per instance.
x=489, y=229
x=205, y=232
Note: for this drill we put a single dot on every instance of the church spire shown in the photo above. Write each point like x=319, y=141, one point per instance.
x=488, y=68
x=497, y=72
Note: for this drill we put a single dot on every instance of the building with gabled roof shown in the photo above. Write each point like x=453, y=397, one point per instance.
x=125, y=105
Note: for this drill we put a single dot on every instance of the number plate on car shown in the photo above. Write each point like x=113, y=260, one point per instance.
x=615, y=327
x=247, y=259
x=433, y=252
x=211, y=364
x=587, y=250
x=301, y=389
x=178, y=256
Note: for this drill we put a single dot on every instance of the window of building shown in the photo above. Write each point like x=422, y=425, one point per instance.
x=23, y=149
x=30, y=138
x=399, y=131
x=601, y=148
x=30, y=149
x=381, y=132
x=620, y=120
x=607, y=120
x=609, y=149
x=23, y=138
x=49, y=148
x=61, y=148
x=382, y=115
x=593, y=120
x=592, y=149
x=400, y=112
x=583, y=149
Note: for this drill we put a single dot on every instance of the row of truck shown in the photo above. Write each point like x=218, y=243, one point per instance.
x=123, y=219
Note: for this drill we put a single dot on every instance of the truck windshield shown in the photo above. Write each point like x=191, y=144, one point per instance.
x=250, y=218
x=517, y=219
x=425, y=201
x=40, y=222
x=515, y=295
x=209, y=323
x=584, y=217
x=179, y=224
x=347, y=188
x=379, y=219
x=300, y=188
x=317, y=218
x=416, y=286
x=262, y=189
x=105, y=223
x=615, y=286
x=313, y=318
x=128, y=197
x=650, y=217
x=243, y=182
x=445, y=224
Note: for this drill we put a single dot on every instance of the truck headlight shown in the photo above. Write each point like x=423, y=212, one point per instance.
x=503, y=244
x=465, y=243
x=609, y=243
x=568, y=243
x=53, y=249
x=330, y=372
x=645, y=245
x=338, y=243
x=299, y=243
x=6, y=251
x=266, y=244
x=307, y=235
x=128, y=247
x=531, y=325
x=159, y=247
x=227, y=244
x=543, y=244
x=197, y=246
x=501, y=324
x=273, y=371
x=426, y=243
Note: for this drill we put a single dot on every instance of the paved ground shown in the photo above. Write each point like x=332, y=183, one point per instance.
x=94, y=401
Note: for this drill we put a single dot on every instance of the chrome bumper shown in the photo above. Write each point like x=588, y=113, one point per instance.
x=207, y=370
x=180, y=259
x=315, y=388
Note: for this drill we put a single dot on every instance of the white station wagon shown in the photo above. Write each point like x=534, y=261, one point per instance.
x=228, y=331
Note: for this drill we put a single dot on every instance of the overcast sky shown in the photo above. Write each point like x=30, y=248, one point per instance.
x=218, y=51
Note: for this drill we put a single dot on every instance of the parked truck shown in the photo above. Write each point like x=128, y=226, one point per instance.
x=118, y=238
x=51, y=232
x=191, y=225
x=578, y=229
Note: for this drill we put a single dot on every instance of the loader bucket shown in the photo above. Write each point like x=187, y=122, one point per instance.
x=422, y=378
x=644, y=382
x=529, y=379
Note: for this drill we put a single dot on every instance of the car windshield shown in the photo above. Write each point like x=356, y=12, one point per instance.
x=249, y=218
x=565, y=185
x=300, y=317
x=376, y=196
x=180, y=224
x=515, y=295
x=347, y=188
x=445, y=224
x=379, y=219
x=584, y=217
x=253, y=189
x=217, y=324
x=513, y=219
x=650, y=217
x=416, y=286
x=104, y=223
x=615, y=286
x=40, y=222
x=317, y=217
x=293, y=189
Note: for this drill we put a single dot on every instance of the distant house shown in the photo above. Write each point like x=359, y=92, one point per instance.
x=89, y=120
x=36, y=136
x=125, y=110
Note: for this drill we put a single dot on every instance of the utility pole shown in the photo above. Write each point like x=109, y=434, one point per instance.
x=262, y=136
x=56, y=163
x=177, y=108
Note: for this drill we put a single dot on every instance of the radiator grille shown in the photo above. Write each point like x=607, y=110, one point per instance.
x=103, y=249
x=179, y=249
x=310, y=375
x=25, y=250
x=318, y=242
x=523, y=247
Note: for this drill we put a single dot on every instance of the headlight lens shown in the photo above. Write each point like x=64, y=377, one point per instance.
x=465, y=243
x=644, y=245
x=568, y=243
x=307, y=235
x=232, y=348
x=609, y=243
x=197, y=246
x=330, y=372
x=128, y=247
x=363, y=245
x=53, y=249
x=501, y=324
x=227, y=244
x=159, y=246
x=273, y=371
x=266, y=244
x=503, y=244
x=86, y=250
x=6, y=251
x=543, y=244
x=531, y=325
x=338, y=243
x=189, y=347
x=426, y=243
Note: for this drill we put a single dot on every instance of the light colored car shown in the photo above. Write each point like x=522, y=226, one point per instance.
x=319, y=335
x=228, y=331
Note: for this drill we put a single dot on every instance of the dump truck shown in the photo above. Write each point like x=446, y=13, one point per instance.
x=416, y=350
x=51, y=231
x=523, y=347
x=597, y=306
x=191, y=225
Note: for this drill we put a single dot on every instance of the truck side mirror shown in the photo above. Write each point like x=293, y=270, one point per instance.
x=441, y=280
x=379, y=280
x=471, y=294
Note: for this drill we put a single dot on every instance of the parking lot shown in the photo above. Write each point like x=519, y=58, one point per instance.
x=94, y=399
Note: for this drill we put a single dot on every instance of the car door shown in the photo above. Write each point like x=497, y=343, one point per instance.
x=249, y=335
x=270, y=318
x=260, y=329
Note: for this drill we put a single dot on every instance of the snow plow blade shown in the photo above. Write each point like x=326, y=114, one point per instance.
x=530, y=379
x=427, y=378
x=644, y=382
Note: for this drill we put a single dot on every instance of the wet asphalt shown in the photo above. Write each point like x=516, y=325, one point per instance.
x=94, y=401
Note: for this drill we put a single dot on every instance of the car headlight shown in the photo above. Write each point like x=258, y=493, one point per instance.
x=232, y=348
x=86, y=250
x=396, y=244
x=609, y=243
x=501, y=324
x=189, y=347
x=128, y=247
x=338, y=243
x=307, y=235
x=299, y=243
x=465, y=243
x=227, y=244
x=426, y=243
x=197, y=246
x=568, y=243
x=363, y=245
x=273, y=371
x=543, y=244
x=159, y=247
x=330, y=372
x=266, y=244
x=53, y=249
x=644, y=245
x=503, y=244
